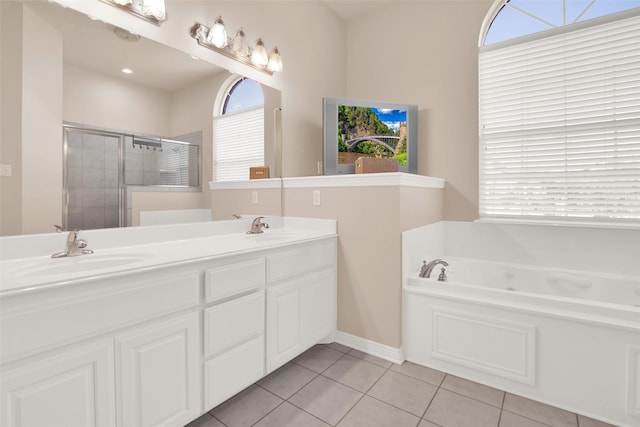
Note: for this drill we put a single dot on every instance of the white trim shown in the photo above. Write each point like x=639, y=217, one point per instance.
x=386, y=179
x=245, y=185
x=373, y=348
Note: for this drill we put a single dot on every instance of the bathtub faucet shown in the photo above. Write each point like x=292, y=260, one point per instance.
x=426, y=269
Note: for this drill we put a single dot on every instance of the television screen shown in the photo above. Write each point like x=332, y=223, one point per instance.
x=356, y=128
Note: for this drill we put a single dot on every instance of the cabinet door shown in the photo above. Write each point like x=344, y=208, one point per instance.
x=319, y=306
x=158, y=374
x=284, y=326
x=74, y=389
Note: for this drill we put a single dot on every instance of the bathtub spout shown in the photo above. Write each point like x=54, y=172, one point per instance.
x=426, y=269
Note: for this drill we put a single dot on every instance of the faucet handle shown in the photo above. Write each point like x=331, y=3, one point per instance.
x=59, y=228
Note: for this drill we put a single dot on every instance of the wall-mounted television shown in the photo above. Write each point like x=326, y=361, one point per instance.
x=355, y=128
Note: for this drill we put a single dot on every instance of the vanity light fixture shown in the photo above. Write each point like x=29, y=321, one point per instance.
x=153, y=11
x=215, y=38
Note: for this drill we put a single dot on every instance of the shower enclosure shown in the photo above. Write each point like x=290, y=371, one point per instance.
x=100, y=166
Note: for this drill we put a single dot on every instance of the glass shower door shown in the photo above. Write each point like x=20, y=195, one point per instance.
x=92, y=179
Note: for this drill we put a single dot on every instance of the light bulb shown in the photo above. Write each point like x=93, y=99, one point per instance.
x=154, y=8
x=259, y=54
x=275, y=61
x=240, y=45
x=217, y=34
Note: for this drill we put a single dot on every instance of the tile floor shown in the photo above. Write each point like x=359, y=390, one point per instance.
x=334, y=385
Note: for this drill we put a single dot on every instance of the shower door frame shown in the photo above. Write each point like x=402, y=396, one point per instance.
x=122, y=200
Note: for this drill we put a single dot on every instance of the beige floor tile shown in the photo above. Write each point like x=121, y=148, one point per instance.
x=339, y=347
x=246, y=407
x=287, y=415
x=370, y=358
x=206, y=420
x=370, y=412
x=452, y=409
x=355, y=373
x=474, y=390
x=508, y=419
x=287, y=380
x=404, y=392
x=425, y=423
x=318, y=358
x=420, y=372
x=590, y=422
x=326, y=399
x=545, y=414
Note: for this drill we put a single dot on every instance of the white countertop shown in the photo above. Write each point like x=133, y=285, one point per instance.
x=126, y=250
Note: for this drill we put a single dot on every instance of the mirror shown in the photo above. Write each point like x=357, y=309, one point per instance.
x=168, y=94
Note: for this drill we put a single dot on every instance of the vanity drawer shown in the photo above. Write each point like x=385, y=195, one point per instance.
x=231, y=279
x=42, y=321
x=300, y=260
x=233, y=322
x=233, y=371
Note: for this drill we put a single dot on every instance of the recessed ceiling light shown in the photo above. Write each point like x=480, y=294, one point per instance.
x=127, y=71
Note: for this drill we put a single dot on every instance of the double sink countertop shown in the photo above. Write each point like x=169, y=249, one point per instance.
x=26, y=264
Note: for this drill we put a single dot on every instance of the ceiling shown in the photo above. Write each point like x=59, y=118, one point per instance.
x=94, y=45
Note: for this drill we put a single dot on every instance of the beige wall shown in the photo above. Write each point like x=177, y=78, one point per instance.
x=370, y=223
x=31, y=137
x=428, y=57
x=98, y=100
x=226, y=203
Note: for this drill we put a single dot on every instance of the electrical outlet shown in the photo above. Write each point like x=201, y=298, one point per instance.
x=320, y=168
x=316, y=198
x=5, y=170
x=254, y=197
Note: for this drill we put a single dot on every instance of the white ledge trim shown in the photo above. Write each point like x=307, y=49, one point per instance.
x=386, y=179
x=246, y=185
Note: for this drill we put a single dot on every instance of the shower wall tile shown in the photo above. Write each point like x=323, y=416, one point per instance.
x=93, y=178
x=111, y=160
x=93, y=142
x=74, y=140
x=133, y=177
x=74, y=178
x=93, y=159
x=93, y=218
x=74, y=157
x=111, y=216
x=111, y=198
x=93, y=199
x=111, y=144
x=110, y=180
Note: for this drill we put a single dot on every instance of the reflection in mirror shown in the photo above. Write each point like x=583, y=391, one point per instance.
x=168, y=93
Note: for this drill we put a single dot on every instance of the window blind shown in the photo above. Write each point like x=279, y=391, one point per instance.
x=560, y=126
x=239, y=144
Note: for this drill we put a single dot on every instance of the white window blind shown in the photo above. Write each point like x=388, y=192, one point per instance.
x=239, y=144
x=560, y=126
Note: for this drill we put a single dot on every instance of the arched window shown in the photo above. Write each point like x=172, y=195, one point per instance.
x=238, y=132
x=559, y=111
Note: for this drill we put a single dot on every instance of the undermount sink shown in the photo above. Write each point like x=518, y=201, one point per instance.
x=79, y=264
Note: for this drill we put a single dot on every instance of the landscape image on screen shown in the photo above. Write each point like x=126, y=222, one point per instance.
x=371, y=132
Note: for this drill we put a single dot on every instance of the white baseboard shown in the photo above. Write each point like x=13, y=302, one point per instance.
x=382, y=351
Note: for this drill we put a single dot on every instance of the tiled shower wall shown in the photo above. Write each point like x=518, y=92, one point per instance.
x=92, y=180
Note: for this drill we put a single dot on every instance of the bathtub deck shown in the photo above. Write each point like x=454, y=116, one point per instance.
x=335, y=385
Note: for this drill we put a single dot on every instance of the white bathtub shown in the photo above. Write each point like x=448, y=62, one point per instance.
x=563, y=337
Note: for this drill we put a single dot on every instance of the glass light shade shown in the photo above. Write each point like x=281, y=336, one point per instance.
x=217, y=34
x=275, y=61
x=122, y=2
x=259, y=54
x=240, y=45
x=155, y=8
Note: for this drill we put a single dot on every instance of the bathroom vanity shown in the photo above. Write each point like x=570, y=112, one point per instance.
x=159, y=332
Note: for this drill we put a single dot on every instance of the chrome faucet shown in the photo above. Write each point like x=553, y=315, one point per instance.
x=75, y=246
x=426, y=269
x=257, y=226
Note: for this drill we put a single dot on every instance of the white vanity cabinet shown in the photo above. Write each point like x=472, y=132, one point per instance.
x=233, y=327
x=301, y=300
x=71, y=389
x=159, y=346
x=159, y=374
